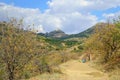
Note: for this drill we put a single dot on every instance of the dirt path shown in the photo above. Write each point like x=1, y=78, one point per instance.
x=76, y=70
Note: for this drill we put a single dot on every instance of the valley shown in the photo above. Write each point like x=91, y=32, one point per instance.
x=26, y=55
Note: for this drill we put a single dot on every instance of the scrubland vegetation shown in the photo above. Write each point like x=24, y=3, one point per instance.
x=24, y=54
x=104, y=46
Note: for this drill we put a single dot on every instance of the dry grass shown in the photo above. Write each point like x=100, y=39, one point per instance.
x=54, y=76
x=115, y=75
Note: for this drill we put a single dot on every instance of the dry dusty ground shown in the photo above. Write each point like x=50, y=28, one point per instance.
x=75, y=70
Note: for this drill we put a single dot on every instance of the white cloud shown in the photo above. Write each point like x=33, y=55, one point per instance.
x=111, y=15
x=29, y=15
x=66, y=6
x=72, y=16
x=76, y=22
x=81, y=5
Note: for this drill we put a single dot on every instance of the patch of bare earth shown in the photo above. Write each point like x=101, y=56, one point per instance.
x=75, y=70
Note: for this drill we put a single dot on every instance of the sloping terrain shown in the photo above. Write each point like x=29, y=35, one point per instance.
x=59, y=34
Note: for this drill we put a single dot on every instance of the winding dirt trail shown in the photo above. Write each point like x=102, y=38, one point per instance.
x=76, y=70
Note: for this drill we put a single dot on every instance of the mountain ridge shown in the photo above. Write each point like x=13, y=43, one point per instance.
x=59, y=34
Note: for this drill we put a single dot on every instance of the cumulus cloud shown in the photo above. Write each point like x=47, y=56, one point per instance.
x=29, y=15
x=111, y=15
x=76, y=22
x=81, y=5
x=71, y=16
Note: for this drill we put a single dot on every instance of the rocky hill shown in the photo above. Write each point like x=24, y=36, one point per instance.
x=59, y=34
x=54, y=34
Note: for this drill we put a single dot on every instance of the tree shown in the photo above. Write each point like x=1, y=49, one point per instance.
x=105, y=41
x=17, y=48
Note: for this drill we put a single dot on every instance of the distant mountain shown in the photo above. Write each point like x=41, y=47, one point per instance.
x=87, y=32
x=54, y=34
x=59, y=34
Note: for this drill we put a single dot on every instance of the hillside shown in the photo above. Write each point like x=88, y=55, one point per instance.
x=83, y=34
x=62, y=35
x=54, y=34
x=59, y=34
x=86, y=33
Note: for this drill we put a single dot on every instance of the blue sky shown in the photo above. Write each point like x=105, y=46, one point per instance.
x=108, y=11
x=41, y=4
x=71, y=16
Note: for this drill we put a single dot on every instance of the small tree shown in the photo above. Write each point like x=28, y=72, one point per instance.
x=17, y=47
x=105, y=41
